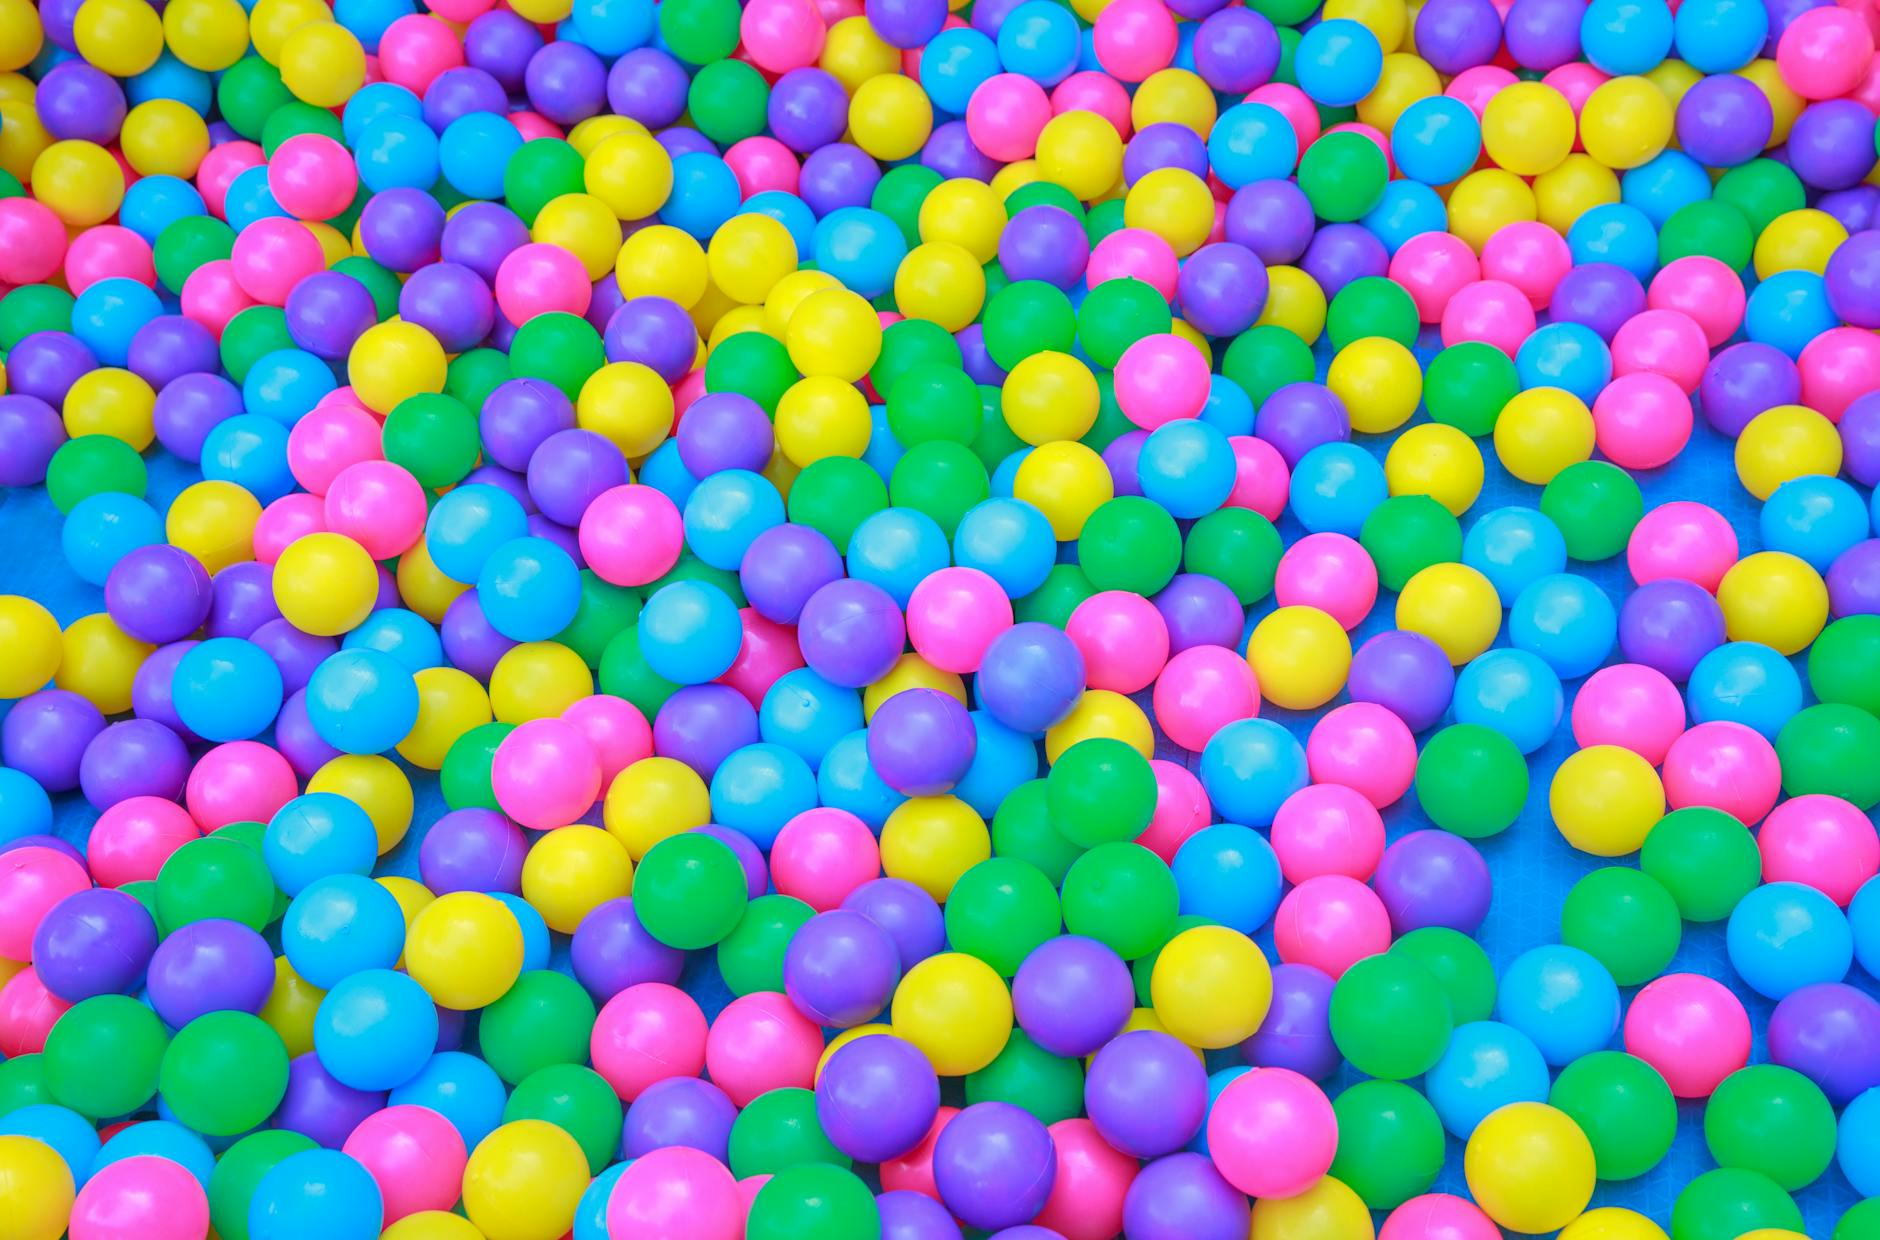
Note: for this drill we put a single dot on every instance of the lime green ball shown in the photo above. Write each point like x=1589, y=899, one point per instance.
x=472, y=376
x=1711, y=227
x=814, y=1199
x=215, y=876
x=1467, y=384
x=1861, y=1222
x=1761, y=189
x=1044, y=194
x=187, y=244
x=248, y=92
x=223, y=1073
x=750, y=958
x=33, y=308
x=1595, y=504
x=1844, y=663
x=727, y=101
x=1471, y=780
x=465, y=776
x=1122, y=895
x=1101, y=791
x=942, y=478
x=380, y=282
x=1623, y=1106
x=1773, y=1120
x=934, y=400
x=690, y=890
x=751, y=364
x=1027, y=317
x=544, y=1019
x=23, y=1083
x=238, y=1173
x=899, y=195
x=1130, y=543
x=1828, y=748
x=1343, y=175
x=910, y=345
x=1459, y=964
x=1116, y=314
x=1626, y=920
x=251, y=336
x=699, y=31
x=604, y=611
x=1730, y=1201
x=835, y=495
x=1053, y=602
x=1372, y=306
x=1705, y=858
x=294, y=118
x=624, y=673
x=1000, y=910
x=1390, y=1017
x=563, y=349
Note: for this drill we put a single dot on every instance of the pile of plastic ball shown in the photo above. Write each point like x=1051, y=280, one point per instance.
x=911, y=619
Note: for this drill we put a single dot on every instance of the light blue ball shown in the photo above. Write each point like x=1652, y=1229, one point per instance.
x=1720, y=36
x=1249, y=768
x=790, y=211
x=473, y=151
x=1514, y=547
x=1436, y=140
x=847, y=780
x=1789, y=310
x=396, y=151
x=1486, y=1066
x=318, y=835
x=690, y=632
x=1784, y=936
x=859, y=246
x=460, y=1087
x=1003, y=759
x=153, y=203
x=1252, y=142
x=1228, y=408
x=362, y=701
x=1008, y=540
x=1562, y=999
x=227, y=689
x=954, y=65
x=1857, y=1148
x=1334, y=488
x=1863, y=918
x=590, y=1213
x=1407, y=209
x=104, y=528
x=897, y=549
x=1670, y=180
x=286, y=384
x=108, y=313
x=341, y=925
x=1746, y=683
x=536, y=945
x=405, y=635
x=1565, y=355
x=1626, y=36
x=1039, y=40
x=320, y=1193
x=1338, y=62
x=159, y=1138
x=807, y=714
x=25, y=809
x=71, y=1136
x=1814, y=518
x=1515, y=693
x=529, y=589
x=704, y=195
x=1616, y=233
x=375, y=1030
x=1188, y=467
x=249, y=450
x=1566, y=620
x=758, y=788
x=726, y=512
x=1229, y=875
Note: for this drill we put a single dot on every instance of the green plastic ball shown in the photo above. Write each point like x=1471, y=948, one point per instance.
x=1844, y=663
x=1053, y=602
x=251, y=336
x=465, y=776
x=899, y=195
x=1237, y=547
x=690, y=890
x=33, y=308
x=23, y=1083
x=187, y=244
x=223, y=1073
x=1118, y=313
x=1761, y=189
x=994, y=440
x=835, y=495
x=1044, y=194
x=1123, y=896
x=1027, y=317
x=752, y=364
x=912, y=344
x=1626, y=920
x=563, y=349
x=699, y=31
x=814, y=1199
x=1459, y=964
x=1595, y=504
x=1100, y=791
x=1730, y=1201
x=1112, y=423
x=691, y=568
x=941, y=478
x=540, y=171
x=576, y=1099
x=727, y=101
x=294, y=118
x=1773, y=1120
x=1623, y=1106
x=934, y=401
x=433, y=437
x=1343, y=175
x=544, y=1019
x=1130, y=543
x=1000, y=910
x=472, y=376
x=750, y=958
x=1711, y=227
x=380, y=282
x=1026, y=1075
x=1406, y=534
x=238, y=1173
x=1390, y=1143
x=103, y=1055
x=1829, y=748
x=1262, y=360
x=248, y=92
x=1390, y=1017
x=1705, y=858
x=623, y=673
x=93, y=465
x=215, y=876
x=1467, y=385
x=1104, y=218
x=604, y=611
x=1022, y=830
x=1862, y=1222
x=1471, y=780
x=1372, y=306
x=779, y=1129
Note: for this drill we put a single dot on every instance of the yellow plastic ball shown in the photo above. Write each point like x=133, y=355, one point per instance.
x=450, y=703
x=1454, y=606
x=524, y=1182
x=660, y=261
x=748, y=255
x=1774, y=598
x=781, y=473
x=781, y=302
x=572, y=870
x=21, y=35
x=16, y=87
x=22, y=138
x=1389, y=20
x=122, y=37
x=393, y=361
x=631, y=173
x=940, y=282
x=1527, y=128
x=1604, y=799
x=1783, y=102
x=98, y=661
x=209, y=35
x=1404, y=80
x=1626, y=122
x=323, y=64
x=164, y=137
x=215, y=522
x=966, y=212
x=584, y=226
x=1786, y=442
x=726, y=318
x=1541, y=432
x=1211, y=986
x=376, y=785
x=1066, y=481
x=834, y=332
x=911, y=671
x=653, y=799
x=853, y=53
x=1300, y=657
x=1101, y=713
x=1673, y=78
x=1772, y=1233
x=890, y=116
x=30, y=636
x=1050, y=396
x=333, y=243
x=1186, y=330
x=931, y=841
x=537, y=680
x=270, y=22
x=1295, y=302
x=1436, y=460
x=1570, y=190
x=114, y=402
x=1080, y=151
x=423, y=586
x=629, y=404
x=432, y=1225
x=465, y=949
x=543, y=12
x=1529, y=1167
x=325, y=584
x=1016, y=175
x=1175, y=96
x=1329, y=1210
x=291, y=1007
x=956, y=1010
x=852, y=1034
x=36, y=1189
x=79, y=180
x=1175, y=205
x=1485, y=201
x=822, y=416
x=1801, y=240
x=1612, y=1223
x=1379, y=382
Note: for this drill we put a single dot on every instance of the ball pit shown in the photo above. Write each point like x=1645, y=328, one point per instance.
x=602, y=595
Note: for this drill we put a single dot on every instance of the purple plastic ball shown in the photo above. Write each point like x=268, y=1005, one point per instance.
x=1222, y=288
x=171, y=346
x=749, y=855
x=189, y=408
x=679, y=1111
x=1433, y=878
x=451, y=302
x=327, y=312
x=1830, y=1033
x=294, y=652
x=906, y=23
x=456, y=93
x=921, y=741
x=481, y=236
x=79, y=101
x=1341, y=253
x=911, y=917
x=501, y=44
x=995, y=1163
x=1453, y=35
x=783, y=566
x=45, y=735
x=1236, y=50
x=1543, y=34
x=611, y=951
x=133, y=758
x=470, y=642
x=1273, y=219
x=851, y=633
x=876, y=1098
x=241, y=600
x=1602, y=296
x=840, y=969
x=518, y=416
x=1046, y=243
x=649, y=86
x=1297, y=1031
x=1123, y=458
x=294, y=735
x=1831, y=144
x=566, y=82
x=1298, y=417
x=46, y=365
x=1853, y=279
x=150, y=688
x=321, y=1108
x=1199, y=610
x=1406, y=673
x=1072, y=995
x=212, y=965
x=158, y=594
x=1030, y=677
x=1164, y=144
x=94, y=942
x=908, y=1215
x=1854, y=580
x=30, y=432
x=724, y=430
x=1745, y=379
x=570, y=469
x=975, y=358
x=1182, y=1197
x=1670, y=624
x=1724, y=121
x=472, y=849
x=656, y=332
x=838, y=175
x=949, y=150
x=808, y=109
x=701, y=725
x=1146, y=1093
x=402, y=228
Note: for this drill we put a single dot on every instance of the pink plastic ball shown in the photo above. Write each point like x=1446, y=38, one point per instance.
x=1438, y=1216
x=676, y=1193
x=1726, y=766
x=143, y=1198
x=760, y=1042
x=130, y=841
x=748, y=1188
x=287, y=519
x=1135, y=38
x=1665, y=342
x=533, y=125
x=272, y=255
x=954, y=614
x=218, y=170
x=1364, y=747
x=32, y=241
x=312, y=177
x=1331, y=572
x=1123, y=638
x=762, y=164
x=1682, y=539
x=781, y=35
x=1476, y=86
x=378, y=505
x=614, y=729
x=212, y=296
x=1824, y=52
x=913, y=1171
x=416, y=48
x=645, y=1034
x=327, y=440
x=1293, y=104
x=242, y=781
x=1490, y=311
x=1822, y=841
x=105, y=252
x=27, y=1013
x=545, y=774
x=1261, y=478
x=1703, y=288
x=460, y=10
x=541, y=278
x=1691, y=1029
x=1005, y=115
x=1181, y=809
x=1642, y=420
x=1575, y=80
x=1161, y=378
x=1330, y=922
x=768, y=651
x=32, y=880
x=1629, y=705
x=1201, y=691
x=415, y=1155
x=823, y=854
x=1327, y=829
x=1134, y=253
x=1837, y=367
x=1093, y=1178
x=1092, y=91
x=632, y=535
x=1530, y=256
x=1433, y=267
x=1272, y=1133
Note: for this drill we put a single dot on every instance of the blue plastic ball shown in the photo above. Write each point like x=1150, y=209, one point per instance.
x=897, y=549
x=462, y=1088
x=1436, y=140
x=1626, y=36
x=405, y=635
x=1566, y=620
x=847, y=780
x=1188, y=467
x=362, y=701
x=1228, y=874
x=1784, y=936
x=1813, y=518
x=249, y=450
x=807, y=714
x=1334, y=488
x=1746, y=683
x=316, y=1193
x=108, y=313
x=1249, y=768
x=1338, y=62
x=529, y=589
x=1514, y=547
x=690, y=632
x=226, y=689
x=1486, y=1066
x=1008, y=540
x=1565, y=355
x=104, y=528
x=758, y=788
x=726, y=512
x=1002, y=760
x=1514, y=692
x=1562, y=999
x=341, y=925
x=317, y=835
x=375, y=1030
